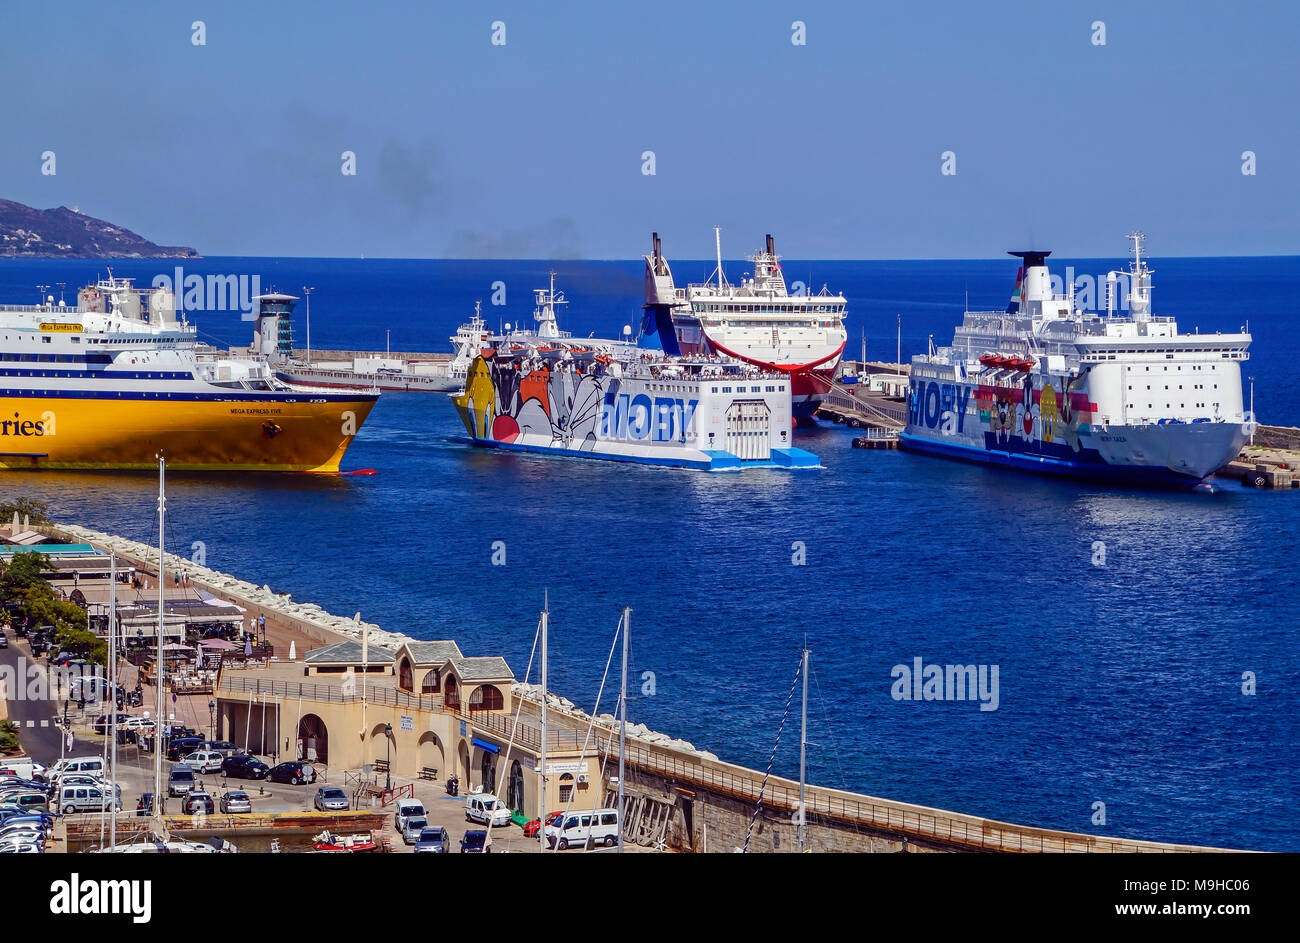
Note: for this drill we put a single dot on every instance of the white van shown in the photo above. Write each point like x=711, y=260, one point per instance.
x=487, y=810
x=88, y=765
x=85, y=799
x=597, y=827
x=23, y=767
x=407, y=809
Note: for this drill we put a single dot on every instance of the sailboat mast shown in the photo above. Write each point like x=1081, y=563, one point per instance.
x=541, y=767
x=158, y=668
x=803, y=752
x=622, y=728
x=112, y=680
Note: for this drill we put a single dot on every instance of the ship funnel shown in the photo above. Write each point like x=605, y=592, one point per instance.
x=1037, y=282
x=771, y=245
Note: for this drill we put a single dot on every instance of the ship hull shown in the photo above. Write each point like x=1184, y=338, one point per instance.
x=714, y=425
x=1047, y=426
x=303, y=434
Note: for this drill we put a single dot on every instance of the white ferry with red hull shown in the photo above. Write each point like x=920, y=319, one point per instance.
x=1047, y=388
x=757, y=322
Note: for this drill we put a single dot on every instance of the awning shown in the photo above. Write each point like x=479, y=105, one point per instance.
x=485, y=746
x=216, y=644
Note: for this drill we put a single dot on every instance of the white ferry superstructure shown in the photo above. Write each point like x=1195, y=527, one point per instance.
x=757, y=321
x=1047, y=388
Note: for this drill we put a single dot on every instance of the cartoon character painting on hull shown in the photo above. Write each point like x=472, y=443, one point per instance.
x=504, y=399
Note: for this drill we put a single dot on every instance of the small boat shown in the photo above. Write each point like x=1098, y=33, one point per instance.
x=328, y=841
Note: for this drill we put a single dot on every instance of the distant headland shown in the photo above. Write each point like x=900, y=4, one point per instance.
x=62, y=233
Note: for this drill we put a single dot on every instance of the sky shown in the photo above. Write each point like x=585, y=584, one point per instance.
x=534, y=148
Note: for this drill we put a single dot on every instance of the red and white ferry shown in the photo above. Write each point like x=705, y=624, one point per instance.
x=757, y=321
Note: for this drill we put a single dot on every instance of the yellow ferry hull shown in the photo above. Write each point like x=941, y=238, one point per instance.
x=308, y=434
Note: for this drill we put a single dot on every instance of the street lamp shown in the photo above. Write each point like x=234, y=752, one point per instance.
x=388, y=767
x=212, y=720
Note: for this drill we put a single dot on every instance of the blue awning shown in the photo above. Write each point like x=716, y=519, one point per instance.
x=485, y=746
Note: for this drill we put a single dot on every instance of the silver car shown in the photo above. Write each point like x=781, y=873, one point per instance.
x=331, y=799
x=414, y=826
x=236, y=800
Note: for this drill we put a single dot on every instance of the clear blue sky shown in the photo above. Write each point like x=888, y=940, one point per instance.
x=534, y=149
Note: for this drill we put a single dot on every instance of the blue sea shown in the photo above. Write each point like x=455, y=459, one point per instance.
x=1119, y=684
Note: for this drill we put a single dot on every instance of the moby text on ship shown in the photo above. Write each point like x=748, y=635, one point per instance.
x=1045, y=387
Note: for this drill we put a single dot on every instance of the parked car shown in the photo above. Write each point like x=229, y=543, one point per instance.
x=103, y=720
x=244, y=767
x=85, y=799
x=22, y=767
x=139, y=723
x=22, y=785
x=294, y=771
x=204, y=761
x=415, y=824
x=597, y=827
x=533, y=827
x=27, y=800
x=94, y=765
x=180, y=780
x=180, y=747
x=432, y=841
x=474, y=842
x=4, y=640
x=84, y=779
x=487, y=810
x=197, y=802
x=331, y=799
x=406, y=808
x=224, y=747
x=236, y=800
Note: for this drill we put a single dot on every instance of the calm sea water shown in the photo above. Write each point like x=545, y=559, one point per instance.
x=1119, y=684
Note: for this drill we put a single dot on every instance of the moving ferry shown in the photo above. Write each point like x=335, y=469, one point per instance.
x=552, y=393
x=114, y=381
x=1047, y=388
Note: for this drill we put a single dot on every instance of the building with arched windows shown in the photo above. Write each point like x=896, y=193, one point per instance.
x=425, y=710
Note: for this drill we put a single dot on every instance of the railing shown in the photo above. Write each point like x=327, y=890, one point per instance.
x=919, y=822
x=330, y=692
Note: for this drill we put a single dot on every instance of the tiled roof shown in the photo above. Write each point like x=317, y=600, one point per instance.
x=433, y=653
x=345, y=653
x=484, y=668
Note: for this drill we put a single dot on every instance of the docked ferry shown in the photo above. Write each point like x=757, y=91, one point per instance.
x=757, y=321
x=115, y=380
x=552, y=393
x=1048, y=388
